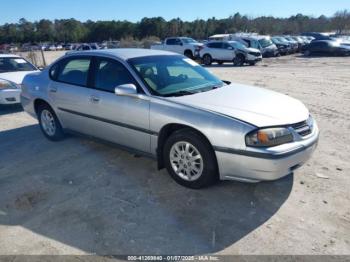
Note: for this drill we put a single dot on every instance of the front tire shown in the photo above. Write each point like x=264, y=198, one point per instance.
x=190, y=160
x=49, y=123
x=207, y=60
x=239, y=60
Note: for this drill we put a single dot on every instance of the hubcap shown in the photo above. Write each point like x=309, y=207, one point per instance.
x=186, y=161
x=48, y=122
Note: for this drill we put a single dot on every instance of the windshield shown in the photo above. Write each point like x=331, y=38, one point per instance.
x=276, y=40
x=14, y=64
x=290, y=39
x=265, y=42
x=282, y=39
x=238, y=45
x=174, y=75
x=188, y=40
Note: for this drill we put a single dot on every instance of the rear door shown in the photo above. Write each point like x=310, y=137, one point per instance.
x=69, y=92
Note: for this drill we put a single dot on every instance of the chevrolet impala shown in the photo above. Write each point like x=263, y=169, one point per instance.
x=165, y=105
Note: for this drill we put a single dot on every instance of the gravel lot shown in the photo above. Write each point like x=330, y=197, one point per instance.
x=81, y=197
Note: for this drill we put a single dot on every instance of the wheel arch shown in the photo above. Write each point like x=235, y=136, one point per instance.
x=38, y=102
x=188, y=51
x=166, y=131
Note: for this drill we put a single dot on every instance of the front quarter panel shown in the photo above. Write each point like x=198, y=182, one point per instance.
x=220, y=130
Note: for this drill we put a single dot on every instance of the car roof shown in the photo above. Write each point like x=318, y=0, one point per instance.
x=8, y=55
x=325, y=41
x=254, y=37
x=123, y=53
x=219, y=35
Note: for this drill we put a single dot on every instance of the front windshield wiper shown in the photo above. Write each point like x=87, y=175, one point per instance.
x=180, y=93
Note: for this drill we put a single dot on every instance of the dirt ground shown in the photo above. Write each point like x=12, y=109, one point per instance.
x=81, y=197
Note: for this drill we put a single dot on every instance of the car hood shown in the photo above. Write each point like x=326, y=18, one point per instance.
x=257, y=106
x=250, y=49
x=16, y=77
x=196, y=44
x=345, y=46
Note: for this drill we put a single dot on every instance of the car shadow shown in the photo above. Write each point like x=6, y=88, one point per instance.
x=10, y=109
x=106, y=201
x=318, y=56
x=226, y=66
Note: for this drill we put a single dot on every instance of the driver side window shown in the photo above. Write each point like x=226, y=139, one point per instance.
x=110, y=73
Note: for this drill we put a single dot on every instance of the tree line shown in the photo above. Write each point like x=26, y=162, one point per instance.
x=71, y=30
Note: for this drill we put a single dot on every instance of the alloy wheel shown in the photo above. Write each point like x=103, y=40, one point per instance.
x=186, y=161
x=48, y=122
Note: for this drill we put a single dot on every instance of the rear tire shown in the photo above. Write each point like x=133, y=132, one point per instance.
x=207, y=60
x=49, y=123
x=190, y=159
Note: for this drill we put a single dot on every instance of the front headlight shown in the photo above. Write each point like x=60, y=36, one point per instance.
x=5, y=84
x=269, y=137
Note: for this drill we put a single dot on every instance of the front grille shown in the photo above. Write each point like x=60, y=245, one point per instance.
x=302, y=128
x=255, y=53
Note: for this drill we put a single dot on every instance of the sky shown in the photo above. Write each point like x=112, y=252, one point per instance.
x=134, y=10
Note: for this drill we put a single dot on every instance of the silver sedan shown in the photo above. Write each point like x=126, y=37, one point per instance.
x=166, y=106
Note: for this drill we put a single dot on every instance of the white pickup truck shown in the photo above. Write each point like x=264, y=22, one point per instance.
x=181, y=45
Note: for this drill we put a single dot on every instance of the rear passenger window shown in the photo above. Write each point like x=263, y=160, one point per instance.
x=75, y=72
x=216, y=45
x=111, y=74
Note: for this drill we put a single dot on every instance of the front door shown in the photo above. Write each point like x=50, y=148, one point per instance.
x=119, y=119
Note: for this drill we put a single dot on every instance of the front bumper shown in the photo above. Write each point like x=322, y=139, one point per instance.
x=10, y=96
x=271, y=53
x=253, y=58
x=265, y=165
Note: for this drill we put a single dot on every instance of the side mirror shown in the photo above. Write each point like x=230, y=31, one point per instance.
x=126, y=90
x=41, y=68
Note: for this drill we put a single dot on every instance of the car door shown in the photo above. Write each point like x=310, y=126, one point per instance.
x=69, y=92
x=319, y=48
x=174, y=45
x=227, y=52
x=215, y=50
x=120, y=119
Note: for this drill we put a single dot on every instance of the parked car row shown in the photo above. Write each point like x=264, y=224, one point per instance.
x=327, y=47
x=12, y=48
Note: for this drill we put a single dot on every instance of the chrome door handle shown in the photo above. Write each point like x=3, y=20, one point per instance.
x=94, y=99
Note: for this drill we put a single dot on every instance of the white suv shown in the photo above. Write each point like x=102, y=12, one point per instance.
x=229, y=51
